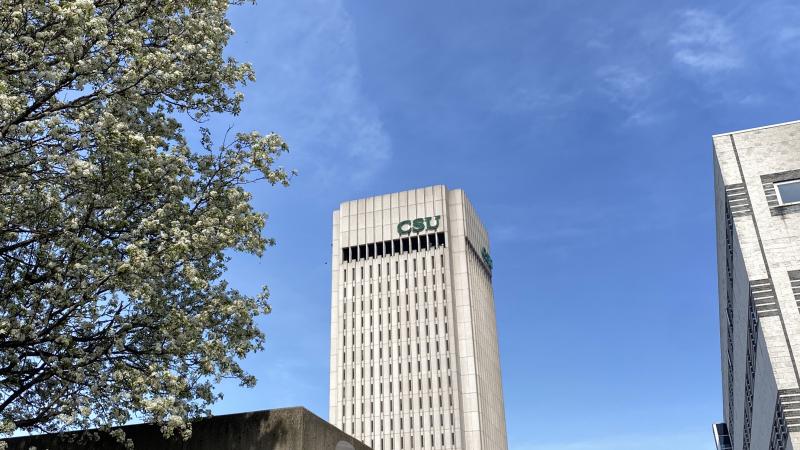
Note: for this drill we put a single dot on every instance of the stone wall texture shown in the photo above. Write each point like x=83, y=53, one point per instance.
x=758, y=248
x=278, y=429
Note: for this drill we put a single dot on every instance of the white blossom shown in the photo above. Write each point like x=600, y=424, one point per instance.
x=113, y=231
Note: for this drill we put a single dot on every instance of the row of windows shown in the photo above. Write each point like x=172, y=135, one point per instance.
x=396, y=309
x=397, y=334
x=378, y=268
x=424, y=442
x=390, y=384
x=393, y=247
x=389, y=306
x=399, y=353
x=729, y=312
x=389, y=367
x=397, y=301
x=379, y=285
x=752, y=348
x=390, y=403
x=388, y=424
x=780, y=430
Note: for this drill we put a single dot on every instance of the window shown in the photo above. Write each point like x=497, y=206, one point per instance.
x=788, y=192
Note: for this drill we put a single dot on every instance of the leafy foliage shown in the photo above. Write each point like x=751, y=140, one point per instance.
x=112, y=229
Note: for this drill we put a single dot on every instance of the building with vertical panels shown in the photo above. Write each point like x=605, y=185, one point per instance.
x=757, y=187
x=414, y=354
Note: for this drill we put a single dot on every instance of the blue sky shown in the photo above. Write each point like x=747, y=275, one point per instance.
x=581, y=131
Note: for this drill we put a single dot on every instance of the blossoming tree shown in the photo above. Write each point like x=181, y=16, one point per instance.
x=113, y=229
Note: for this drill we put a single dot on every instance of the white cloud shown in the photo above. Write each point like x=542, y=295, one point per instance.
x=624, y=83
x=778, y=29
x=629, y=88
x=704, y=42
x=310, y=88
x=542, y=100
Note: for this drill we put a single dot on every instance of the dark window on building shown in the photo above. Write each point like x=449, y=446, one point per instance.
x=405, y=245
x=396, y=246
x=414, y=244
x=788, y=192
x=371, y=250
x=345, y=254
x=423, y=242
x=379, y=249
x=440, y=239
x=722, y=437
x=362, y=252
x=353, y=253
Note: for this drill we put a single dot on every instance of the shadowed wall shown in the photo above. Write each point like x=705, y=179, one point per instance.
x=278, y=429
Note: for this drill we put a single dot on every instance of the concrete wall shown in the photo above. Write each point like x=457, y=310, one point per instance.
x=394, y=380
x=278, y=429
x=414, y=355
x=765, y=253
x=479, y=359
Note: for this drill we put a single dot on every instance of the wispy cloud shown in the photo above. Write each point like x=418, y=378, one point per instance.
x=624, y=83
x=542, y=100
x=778, y=28
x=629, y=88
x=310, y=85
x=704, y=42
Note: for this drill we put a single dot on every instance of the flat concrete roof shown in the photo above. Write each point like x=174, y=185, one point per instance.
x=278, y=429
x=758, y=128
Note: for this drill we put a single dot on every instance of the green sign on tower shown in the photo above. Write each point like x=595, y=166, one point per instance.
x=418, y=225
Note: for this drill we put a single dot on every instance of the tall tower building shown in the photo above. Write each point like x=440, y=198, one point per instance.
x=414, y=358
x=757, y=186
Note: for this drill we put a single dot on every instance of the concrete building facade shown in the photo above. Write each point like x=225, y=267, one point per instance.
x=278, y=429
x=414, y=353
x=757, y=189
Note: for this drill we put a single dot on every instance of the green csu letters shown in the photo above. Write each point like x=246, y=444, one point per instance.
x=418, y=225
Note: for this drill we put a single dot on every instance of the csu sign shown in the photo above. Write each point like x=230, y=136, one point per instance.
x=486, y=258
x=418, y=225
